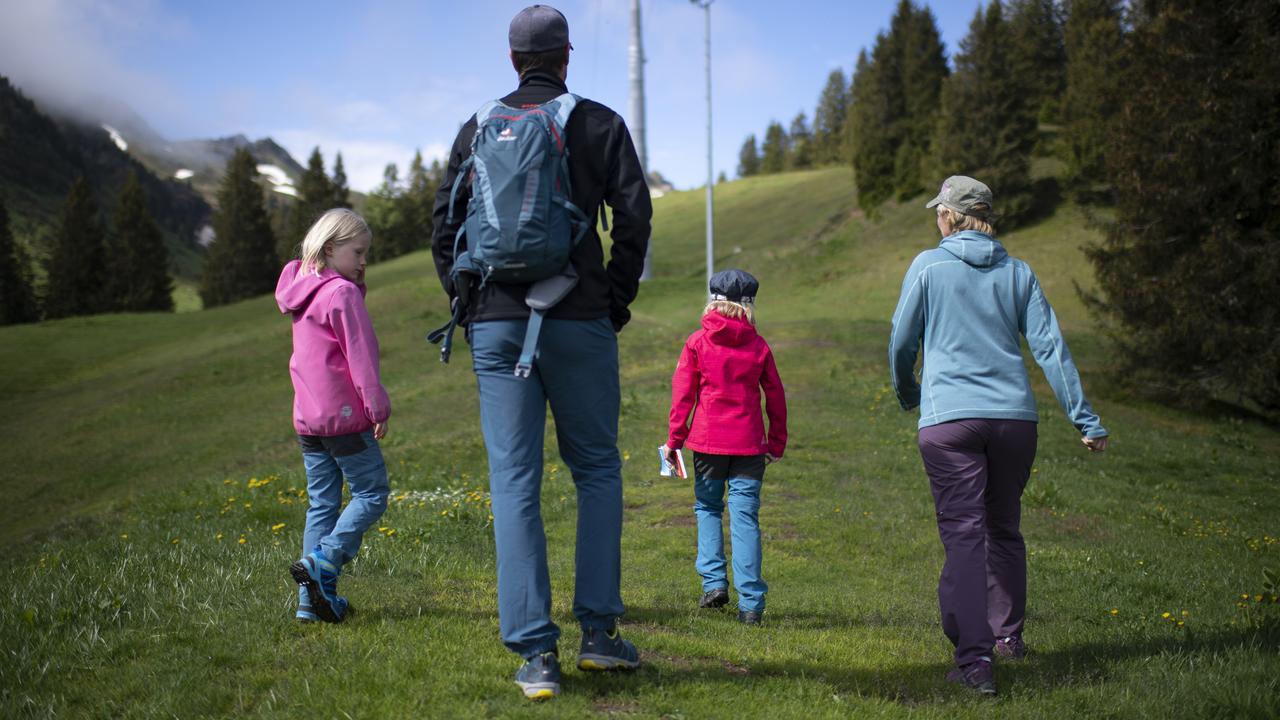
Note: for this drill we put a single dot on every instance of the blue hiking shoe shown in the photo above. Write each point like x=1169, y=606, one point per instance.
x=319, y=578
x=606, y=650
x=539, y=678
x=306, y=615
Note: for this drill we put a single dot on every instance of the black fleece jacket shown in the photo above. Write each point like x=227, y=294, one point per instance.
x=603, y=167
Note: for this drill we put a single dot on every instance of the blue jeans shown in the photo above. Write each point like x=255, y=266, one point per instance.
x=743, y=474
x=576, y=372
x=339, y=531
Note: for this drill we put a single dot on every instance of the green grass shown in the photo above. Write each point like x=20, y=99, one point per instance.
x=140, y=449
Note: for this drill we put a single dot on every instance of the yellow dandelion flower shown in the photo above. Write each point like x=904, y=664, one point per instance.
x=626, y=455
x=124, y=536
x=277, y=527
x=218, y=537
x=1115, y=611
x=248, y=505
x=382, y=529
x=174, y=541
x=443, y=513
x=242, y=540
x=1164, y=615
x=1257, y=598
x=1181, y=623
x=391, y=532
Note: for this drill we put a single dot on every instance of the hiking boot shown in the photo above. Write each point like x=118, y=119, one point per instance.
x=306, y=615
x=539, y=677
x=716, y=598
x=976, y=676
x=1011, y=647
x=319, y=578
x=606, y=650
x=750, y=617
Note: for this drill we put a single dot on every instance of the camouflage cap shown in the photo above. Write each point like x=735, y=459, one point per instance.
x=964, y=194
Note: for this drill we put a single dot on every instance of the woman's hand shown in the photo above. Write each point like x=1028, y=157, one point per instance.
x=379, y=430
x=1095, y=444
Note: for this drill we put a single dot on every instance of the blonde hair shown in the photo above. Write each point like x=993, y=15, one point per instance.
x=731, y=309
x=335, y=227
x=961, y=221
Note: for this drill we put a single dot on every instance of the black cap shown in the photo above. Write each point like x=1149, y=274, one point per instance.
x=538, y=28
x=735, y=285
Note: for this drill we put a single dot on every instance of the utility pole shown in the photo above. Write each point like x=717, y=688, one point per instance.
x=706, y=6
x=635, y=56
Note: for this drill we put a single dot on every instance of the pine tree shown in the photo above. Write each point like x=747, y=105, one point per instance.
x=800, y=145
x=383, y=211
x=986, y=129
x=140, y=264
x=1037, y=54
x=242, y=260
x=315, y=195
x=749, y=158
x=1188, y=270
x=1094, y=44
x=17, y=298
x=773, y=156
x=341, y=193
x=418, y=201
x=872, y=146
x=922, y=64
x=829, y=120
x=77, y=267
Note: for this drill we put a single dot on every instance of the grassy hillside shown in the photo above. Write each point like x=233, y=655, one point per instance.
x=154, y=501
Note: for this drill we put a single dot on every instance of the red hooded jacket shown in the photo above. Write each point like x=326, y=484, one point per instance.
x=722, y=368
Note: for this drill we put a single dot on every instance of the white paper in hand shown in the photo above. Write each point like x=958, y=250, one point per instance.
x=664, y=467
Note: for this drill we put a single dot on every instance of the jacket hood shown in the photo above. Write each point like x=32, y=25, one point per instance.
x=294, y=292
x=728, y=331
x=975, y=248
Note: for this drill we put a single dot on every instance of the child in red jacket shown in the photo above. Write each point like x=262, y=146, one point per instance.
x=721, y=371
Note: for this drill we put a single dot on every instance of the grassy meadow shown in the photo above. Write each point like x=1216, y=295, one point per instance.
x=154, y=498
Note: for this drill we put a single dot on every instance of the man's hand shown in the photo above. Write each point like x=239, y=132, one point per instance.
x=1095, y=444
x=770, y=459
x=379, y=430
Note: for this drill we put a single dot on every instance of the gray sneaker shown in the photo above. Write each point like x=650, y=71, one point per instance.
x=539, y=678
x=606, y=650
x=1011, y=647
x=976, y=676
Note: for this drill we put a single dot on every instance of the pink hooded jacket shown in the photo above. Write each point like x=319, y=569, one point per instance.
x=722, y=369
x=334, y=366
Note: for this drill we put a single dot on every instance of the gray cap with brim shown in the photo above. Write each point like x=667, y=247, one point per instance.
x=964, y=195
x=538, y=28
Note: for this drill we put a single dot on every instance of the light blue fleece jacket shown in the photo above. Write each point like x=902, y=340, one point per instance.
x=968, y=301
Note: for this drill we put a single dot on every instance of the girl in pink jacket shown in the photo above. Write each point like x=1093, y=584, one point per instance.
x=721, y=372
x=340, y=408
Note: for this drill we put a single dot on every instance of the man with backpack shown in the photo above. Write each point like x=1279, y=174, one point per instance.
x=525, y=180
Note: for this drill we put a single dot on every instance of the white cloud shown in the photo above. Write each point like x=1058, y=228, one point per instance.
x=363, y=159
x=63, y=53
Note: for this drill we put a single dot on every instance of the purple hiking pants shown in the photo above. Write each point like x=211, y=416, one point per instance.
x=977, y=470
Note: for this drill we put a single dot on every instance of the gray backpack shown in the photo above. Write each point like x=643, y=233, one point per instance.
x=521, y=225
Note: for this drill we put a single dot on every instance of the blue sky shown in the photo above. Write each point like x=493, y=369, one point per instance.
x=379, y=79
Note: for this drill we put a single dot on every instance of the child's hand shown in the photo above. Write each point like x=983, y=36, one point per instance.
x=1096, y=445
x=379, y=430
x=674, y=462
x=770, y=459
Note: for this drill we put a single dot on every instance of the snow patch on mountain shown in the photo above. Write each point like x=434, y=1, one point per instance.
x=116, y=137
x=184, y=174
x=280, y=181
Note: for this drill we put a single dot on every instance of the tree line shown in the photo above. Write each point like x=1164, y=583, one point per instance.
x=123, y=266
x=1165, y=117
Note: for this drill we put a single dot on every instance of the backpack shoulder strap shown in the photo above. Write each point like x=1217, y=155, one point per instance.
x=567, y=103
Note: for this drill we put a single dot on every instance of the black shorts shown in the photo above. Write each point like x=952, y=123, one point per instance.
x=721, y=467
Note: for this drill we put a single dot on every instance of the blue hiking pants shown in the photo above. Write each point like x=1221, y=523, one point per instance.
x=743, y=474
x=336, y=530
x=576, y=373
